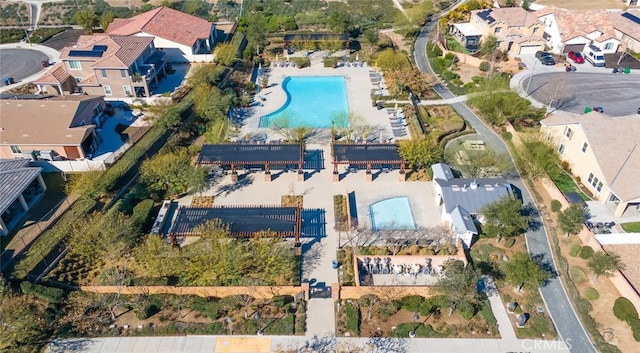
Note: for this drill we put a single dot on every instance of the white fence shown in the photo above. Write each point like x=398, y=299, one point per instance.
x=71, y=166
x=618, y=238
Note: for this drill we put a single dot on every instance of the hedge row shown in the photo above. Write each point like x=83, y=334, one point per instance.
x=353, y=318
x=624, y=310
x=50, y=294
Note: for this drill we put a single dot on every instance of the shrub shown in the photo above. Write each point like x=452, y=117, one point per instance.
x=50, y=294
x=208, y=306
x=577, y=274
x=141, y=217
x=388, y=308
x=624, y=310
x=467, y=310
x=485, y=66
x=411, y=302
x=147, y=311
x=280, y=301
x=435, y=50
x=591, y=294
x=556, y=206
x=507, y=136
x=353, y=318
x=575, y=249
x=586, y=252
x=635, y=327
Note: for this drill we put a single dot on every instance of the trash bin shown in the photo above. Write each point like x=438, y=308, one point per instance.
x=626, y=70
x=45, y=63
x=8, y=81
x=334, y=264
x=615, y=70
x=379, y=105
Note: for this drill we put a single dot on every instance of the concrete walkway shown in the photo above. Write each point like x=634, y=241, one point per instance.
x=53, y=55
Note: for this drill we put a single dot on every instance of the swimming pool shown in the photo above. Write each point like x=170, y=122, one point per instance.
x=392, y=213
x=312, y=101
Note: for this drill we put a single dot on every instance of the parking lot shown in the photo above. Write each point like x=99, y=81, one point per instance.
x=589, y=86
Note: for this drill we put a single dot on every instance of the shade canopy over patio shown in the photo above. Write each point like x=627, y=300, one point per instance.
x=248, y=155
x=243, y=221
x=366, y=155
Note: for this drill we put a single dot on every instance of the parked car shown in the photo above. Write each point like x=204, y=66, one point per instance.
x=547, y=60
x=576, y=57
x=638, y=113
x=540, y=54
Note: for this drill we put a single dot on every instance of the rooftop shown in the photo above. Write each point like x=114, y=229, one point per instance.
x=614, y=141
x=472, y=194
x=467, y=29
x=511, y=16
x=166, y=23
x=107, y=51
x=23, y=121
x=575, y=23
x=365, y=153
x=226, y=154
x=15, y=176
x=627, y=22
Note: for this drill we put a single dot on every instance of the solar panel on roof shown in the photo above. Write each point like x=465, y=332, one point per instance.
x=631, y=17
x=100, y=48
x=86, y=53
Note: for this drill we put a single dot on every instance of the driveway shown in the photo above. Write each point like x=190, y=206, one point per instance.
x=20, y=63
x=573, y=91
x=553, y=293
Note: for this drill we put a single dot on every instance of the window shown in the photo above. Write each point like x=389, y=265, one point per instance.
x=498, y=29
x=97, y=110
x=608, y=46
x=595, y=181
x=568, y=133
x=107, y=90
x=599, y=188
x=561, y=149
x=590, y=178
x=78, y=79
x=535, y=30
x=584, y=147
x=548, y=136
x=127, y=90
x=123, y=73
x=16, y=149
x=103, y=73
x=75, y=65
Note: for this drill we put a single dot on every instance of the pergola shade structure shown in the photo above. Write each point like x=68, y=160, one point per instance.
x=233, y=156
x=243, y=221
x=367, y=155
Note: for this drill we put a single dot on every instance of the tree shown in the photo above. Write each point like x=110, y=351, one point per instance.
x=226, y=54
x=522, y=271
x=209, y=104
x=286, y=126
x=504, y=218
x=339, y=20
x=480, y=163
x=571, y=220
x=172, y=173
x=105, y=20
x=23, y=322
x=389, y=59
x=86, y=18
x=421, y=152
x=604, y=264
x=370, y=36
x=458, y=284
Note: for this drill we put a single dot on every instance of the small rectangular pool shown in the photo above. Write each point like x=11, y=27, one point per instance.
x=392, y=213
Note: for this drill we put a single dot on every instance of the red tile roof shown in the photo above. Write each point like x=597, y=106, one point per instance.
x=57, y=74
x=581, y=23
x=165, y=23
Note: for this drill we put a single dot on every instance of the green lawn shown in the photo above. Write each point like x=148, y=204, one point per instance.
x=453, y=45
x=566, y=185
x=631, y=227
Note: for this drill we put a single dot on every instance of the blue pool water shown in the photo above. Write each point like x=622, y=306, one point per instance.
x=392, y=213
x=312, y=101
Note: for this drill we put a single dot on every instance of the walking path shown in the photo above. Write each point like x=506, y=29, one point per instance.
x=553, y=293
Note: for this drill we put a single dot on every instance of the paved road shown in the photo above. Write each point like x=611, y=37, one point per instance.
x=20, y=63
x=573, y=91
x=556, y=299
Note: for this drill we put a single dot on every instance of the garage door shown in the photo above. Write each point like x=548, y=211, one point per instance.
x=529, y=49
x=573, y=47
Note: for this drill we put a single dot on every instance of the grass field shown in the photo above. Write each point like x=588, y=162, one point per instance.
x=631, y=227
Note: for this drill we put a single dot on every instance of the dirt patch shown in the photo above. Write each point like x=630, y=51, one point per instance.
x=629, y=255
x=583, y=4
x=602, y=308
x=397, y=40
x=467, y=72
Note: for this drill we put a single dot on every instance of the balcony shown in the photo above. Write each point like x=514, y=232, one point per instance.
x=148, y=71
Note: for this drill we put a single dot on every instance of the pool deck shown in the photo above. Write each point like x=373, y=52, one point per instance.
x=358, y=88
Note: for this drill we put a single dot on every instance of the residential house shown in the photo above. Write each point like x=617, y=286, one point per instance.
x=462, y=199
x=603, y=152
x=21, y=186
x=184, y=38
x=50, y=127
x=518, y=31
x=110, y=65
x=572, y=30
x=626, y=26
